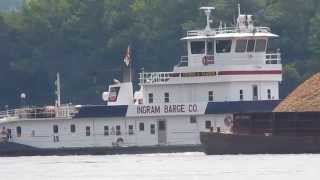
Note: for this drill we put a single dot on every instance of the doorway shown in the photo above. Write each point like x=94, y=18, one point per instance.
x=162, y=132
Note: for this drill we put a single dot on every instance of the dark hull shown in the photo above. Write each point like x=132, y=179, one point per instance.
x=218, y=143
x=14, y=149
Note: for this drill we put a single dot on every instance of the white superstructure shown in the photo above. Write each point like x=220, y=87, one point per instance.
x=226, y=70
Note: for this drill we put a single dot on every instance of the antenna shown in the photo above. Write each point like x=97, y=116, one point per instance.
x=207, y=11
x=58, y=91
x=239, y=9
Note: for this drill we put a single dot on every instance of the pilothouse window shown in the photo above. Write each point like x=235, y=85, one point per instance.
x=223, y=46
x=241, y=45
x=197, y=47
x=250, y=46
x=210, y=48
x=261, y=45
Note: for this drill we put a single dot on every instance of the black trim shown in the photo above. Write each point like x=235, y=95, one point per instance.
x=101, y=111
x=241, y=106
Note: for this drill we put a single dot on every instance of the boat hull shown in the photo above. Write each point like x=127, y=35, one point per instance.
x=14, y=149
x=219, y=143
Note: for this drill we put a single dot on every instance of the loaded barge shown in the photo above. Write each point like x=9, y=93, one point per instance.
x=271, y=133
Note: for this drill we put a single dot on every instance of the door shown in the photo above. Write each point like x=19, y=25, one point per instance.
x=162, y=132
x=255, y=92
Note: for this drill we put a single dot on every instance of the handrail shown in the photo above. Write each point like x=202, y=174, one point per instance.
x=273, y=58
x=223, y=30
x=65, y=111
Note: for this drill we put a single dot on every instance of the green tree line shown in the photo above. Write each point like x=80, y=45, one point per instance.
x=85, y=41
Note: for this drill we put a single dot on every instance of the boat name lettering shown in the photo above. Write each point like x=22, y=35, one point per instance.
x=175, y=108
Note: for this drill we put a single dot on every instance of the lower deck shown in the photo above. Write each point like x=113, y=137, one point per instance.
x=114, y=131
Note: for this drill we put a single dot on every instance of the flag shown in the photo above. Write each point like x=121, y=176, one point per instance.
x=127, y=58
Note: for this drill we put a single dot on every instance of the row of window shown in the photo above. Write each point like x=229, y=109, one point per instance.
x=166, y=98
x=224, y=46
x=211, y=95
x=255, y=93
x=108, y=131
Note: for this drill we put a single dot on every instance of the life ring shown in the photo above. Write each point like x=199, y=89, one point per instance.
x=228, y=121
x=205, y=60
x=120, y=141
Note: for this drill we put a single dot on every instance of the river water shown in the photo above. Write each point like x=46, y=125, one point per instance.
x=182, y=166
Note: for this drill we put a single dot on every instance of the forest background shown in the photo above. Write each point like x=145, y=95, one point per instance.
x=85, y=40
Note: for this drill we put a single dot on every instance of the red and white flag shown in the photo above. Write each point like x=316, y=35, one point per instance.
x=127, y=58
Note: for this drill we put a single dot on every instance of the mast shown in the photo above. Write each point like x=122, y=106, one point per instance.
x=58, y=91
x=207, y=11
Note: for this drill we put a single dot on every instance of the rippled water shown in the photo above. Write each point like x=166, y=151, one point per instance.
x=182, y=166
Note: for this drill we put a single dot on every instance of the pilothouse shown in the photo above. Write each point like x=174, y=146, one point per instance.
x=226, y=70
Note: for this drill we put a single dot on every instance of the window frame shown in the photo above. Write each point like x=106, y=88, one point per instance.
x=72, y=128
x=210, y=96
x=241, y=93
x=253, y=47
x=228, y=50
x=260, y=50
x=150, y=98
x=19, y=131
x=208, y=124
x=269, y=94
x=130, y=129
x=118, y=130
x=88, y=131
x=166, y=97
x=55, y=129
x=106, y=130
x=152, y=129
x=141, y=126
x=201, y=50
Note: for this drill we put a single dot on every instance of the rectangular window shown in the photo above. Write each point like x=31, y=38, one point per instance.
x=269, y=94
x=241, y=45
x=9, y=133
x=141, y=126
x=152, y=129
x=118, y=130
x=166, y=97
x=55, y=129
x=208, y=124
x=18, y=131
x=150, y=98
x=250, y=46
x=72, y=128
x=261, y=45
x=106, y=130
x=113, y=95
x=162, y=125
x=223, y=46
x=241, y=94
x=210, y=48
x=255, y=92
x=88, y=131
x=130, y=129
x=197, y=47
x=193, y=119
x=210, y=96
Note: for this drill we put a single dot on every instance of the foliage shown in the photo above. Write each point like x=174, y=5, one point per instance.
x=85, y=41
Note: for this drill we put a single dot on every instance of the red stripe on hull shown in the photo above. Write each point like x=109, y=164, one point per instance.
x=249, y=72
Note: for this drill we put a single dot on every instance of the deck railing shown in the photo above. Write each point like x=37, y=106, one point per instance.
x=273, y=58
x=183, y=61
x=49, y=112
x=224, y=30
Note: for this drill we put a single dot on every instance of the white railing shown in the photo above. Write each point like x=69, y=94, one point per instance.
x=156, y=77
x=273, y=58
x=48, y=112
x=224, y=30
x=183, y=61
